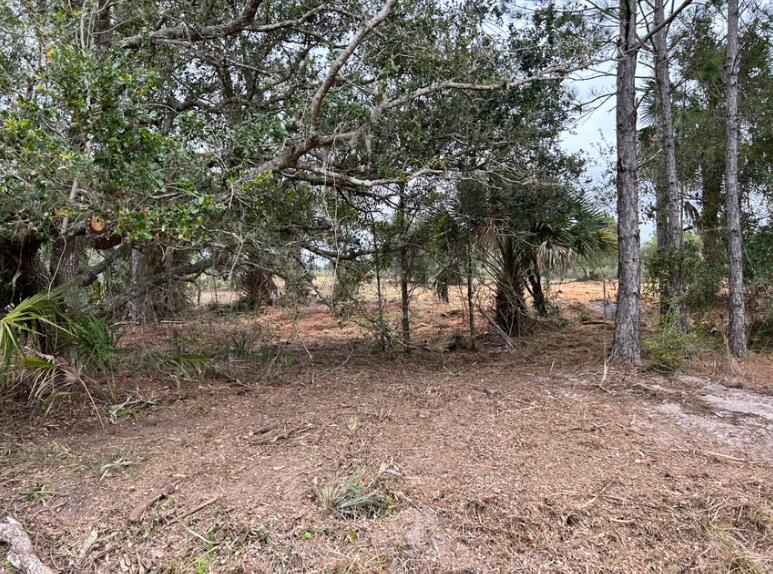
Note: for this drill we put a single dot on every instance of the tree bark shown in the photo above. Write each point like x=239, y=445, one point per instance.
x=21, y=554
x=136, y=305
x=661, y=215
x=68, y=257
x=661, y=238
x=158, y=285
x=382, y=330
x=403, y=257
x=258, y=285
x=674, y=241
x=627, y=339
x=21, y=272
x=509, y=303
x=297, y=282
x=470, y=308
x=737, y=327
x=537, y=292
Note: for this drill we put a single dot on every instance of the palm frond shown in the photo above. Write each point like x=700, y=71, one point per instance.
x=22, y=323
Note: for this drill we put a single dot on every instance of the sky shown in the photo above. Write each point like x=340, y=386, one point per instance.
x=595, y=133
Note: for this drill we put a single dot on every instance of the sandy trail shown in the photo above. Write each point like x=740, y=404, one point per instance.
x=735, y=417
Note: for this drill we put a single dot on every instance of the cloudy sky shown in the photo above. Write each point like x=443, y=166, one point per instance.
x=595, y=133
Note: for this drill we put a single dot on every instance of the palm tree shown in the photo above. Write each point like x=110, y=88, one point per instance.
x=523, y=233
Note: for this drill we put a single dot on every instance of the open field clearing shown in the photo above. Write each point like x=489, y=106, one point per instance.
x=386, y=287
x=301, y=451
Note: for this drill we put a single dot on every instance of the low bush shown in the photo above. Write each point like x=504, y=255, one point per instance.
x=668, y=350
x=355, y=496
x=46, y=346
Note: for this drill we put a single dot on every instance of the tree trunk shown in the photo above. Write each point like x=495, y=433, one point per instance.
x=470, y=308
x=661, y=215
x=157, y=300
x=509, y=304
x=537, y=293
x=21, y=272
x=382, y=330
x=68, y=257
x=675, y=304
x=737, y=328
x=402, y=223
x=68, y=253
x=627, y=340
x=661, y=237
x=297, y=282
x=258, y=285
x=182, y=270
x=21, y=554
x=136, y=305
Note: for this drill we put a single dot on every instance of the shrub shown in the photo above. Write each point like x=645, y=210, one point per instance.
x=93, y=342
x=700, y=278
x=668, y=349
x=22, y=328
x=42, y=344
x=355, y=496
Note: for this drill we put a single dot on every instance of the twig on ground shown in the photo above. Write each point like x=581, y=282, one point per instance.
x=285, y=435
x=724, y=456
x=200, y=537
x=629, y=429
x=265, y=429
x=194, y=510
x=139, y=510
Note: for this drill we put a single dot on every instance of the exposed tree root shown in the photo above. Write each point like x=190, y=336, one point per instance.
x=21, y=554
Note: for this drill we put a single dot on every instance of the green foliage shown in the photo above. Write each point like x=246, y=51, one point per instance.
x=349, y=277
x=128, y=408
x=759, y=255
x=95, y=344
x=355, y=496
x=186, y=365
x=202, y=564
x=44, y=345
x=23, y=326
x=668, y=350
x=761, y=330
x=699, y=277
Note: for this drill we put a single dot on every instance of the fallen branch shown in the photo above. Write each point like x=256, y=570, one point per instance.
x=505, y=337
x=285, y=435
x=194, y=510
x=724, y=456
x=21, y=555
x=265, y=429
x=139, y=510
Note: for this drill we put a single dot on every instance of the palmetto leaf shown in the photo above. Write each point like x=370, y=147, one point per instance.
x=21, y=326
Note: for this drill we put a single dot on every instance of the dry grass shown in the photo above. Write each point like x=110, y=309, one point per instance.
x=532, y=459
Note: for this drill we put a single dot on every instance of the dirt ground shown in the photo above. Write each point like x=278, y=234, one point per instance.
x=297, y=447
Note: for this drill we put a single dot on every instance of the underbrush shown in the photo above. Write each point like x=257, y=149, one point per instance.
x=741, y=536
x=47, y=347
x=669, y=349
x=761, y=335
x=356, y=496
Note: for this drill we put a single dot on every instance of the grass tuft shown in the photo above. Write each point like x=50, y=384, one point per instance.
x=356, y=496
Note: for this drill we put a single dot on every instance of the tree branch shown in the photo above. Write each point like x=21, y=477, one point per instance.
x=667, y=22
x=340, y=61
x=185, y=33
x=180, y=272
